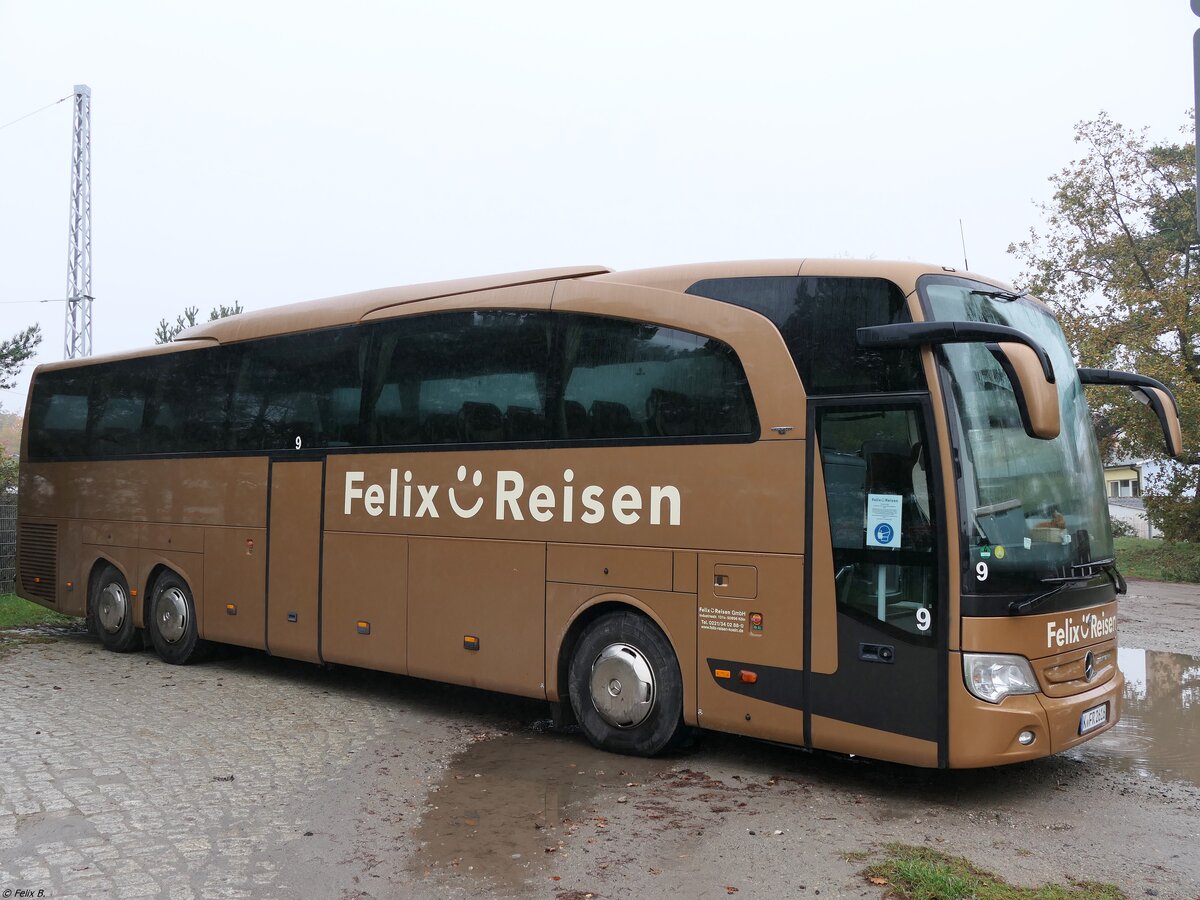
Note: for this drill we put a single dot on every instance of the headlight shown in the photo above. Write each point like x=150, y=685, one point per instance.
x=993, y=677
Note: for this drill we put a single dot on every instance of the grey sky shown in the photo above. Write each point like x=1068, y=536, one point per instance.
x=271, y=152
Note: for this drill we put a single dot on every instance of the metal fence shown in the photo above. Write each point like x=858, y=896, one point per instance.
x=8, y=544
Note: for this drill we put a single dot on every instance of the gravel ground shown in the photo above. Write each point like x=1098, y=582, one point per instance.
x=1157, y=615
x=258, y=777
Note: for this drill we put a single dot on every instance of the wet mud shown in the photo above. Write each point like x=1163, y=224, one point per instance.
x=506, y=806
x=1159, y=731
x=541, y=813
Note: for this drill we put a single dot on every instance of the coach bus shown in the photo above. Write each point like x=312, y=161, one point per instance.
x=854, y=506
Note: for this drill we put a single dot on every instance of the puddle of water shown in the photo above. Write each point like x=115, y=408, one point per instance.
x=506, y=807
x=1159, y=731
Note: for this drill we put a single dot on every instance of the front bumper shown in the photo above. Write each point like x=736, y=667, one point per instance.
x=985, y=734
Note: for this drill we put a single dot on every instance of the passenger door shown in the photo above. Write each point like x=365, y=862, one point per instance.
x=887, y=697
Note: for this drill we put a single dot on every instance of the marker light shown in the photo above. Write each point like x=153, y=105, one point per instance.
x=993, y=677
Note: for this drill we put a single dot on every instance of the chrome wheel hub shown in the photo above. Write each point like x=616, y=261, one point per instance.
x=171, y=612
x=622, y=686
x=112, y=608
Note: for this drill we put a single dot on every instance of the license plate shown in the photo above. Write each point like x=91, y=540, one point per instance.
x=1093, y=718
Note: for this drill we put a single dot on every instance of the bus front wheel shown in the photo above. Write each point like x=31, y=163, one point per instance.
x=173, y=628
x=626, y=690
x=110, y=612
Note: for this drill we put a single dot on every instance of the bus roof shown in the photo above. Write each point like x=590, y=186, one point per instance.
x=350, y=308
x=679, y=278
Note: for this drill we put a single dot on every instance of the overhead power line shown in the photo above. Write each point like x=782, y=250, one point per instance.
x=36, y=111
x=50, y=300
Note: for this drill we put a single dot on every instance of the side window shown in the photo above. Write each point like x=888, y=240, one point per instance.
x=188, y=401
x=472, y=377
x=58, y=415
x=817, y=317
x=882, y=520
x=298, y=392
x=118, y=402
x=624, y=379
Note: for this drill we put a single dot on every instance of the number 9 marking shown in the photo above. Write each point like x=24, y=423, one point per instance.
x=924, y=619
x=299, y=443
x=981, y=569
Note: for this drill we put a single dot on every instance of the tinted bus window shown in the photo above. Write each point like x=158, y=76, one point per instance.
x=188, y=401
x=298, y=391
x=817, y=317
x=118, y=401
x=480, y=377
x=58, y=415
x=624, y=379
x=473, y=377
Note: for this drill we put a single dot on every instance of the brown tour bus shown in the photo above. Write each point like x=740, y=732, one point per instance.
x=845, y=505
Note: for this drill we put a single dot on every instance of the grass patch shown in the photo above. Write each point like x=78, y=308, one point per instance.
x=1158, y=560
x=18, y=613
x=921, y=873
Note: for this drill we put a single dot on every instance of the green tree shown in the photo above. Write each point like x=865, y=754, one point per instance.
x=1115, y=258
x=9, y=473
x=166, y=332
x=14, y=353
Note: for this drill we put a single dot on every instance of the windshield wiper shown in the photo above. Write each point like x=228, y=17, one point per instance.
x=1006, y=296
x=1020, y=607
x=1084, y=572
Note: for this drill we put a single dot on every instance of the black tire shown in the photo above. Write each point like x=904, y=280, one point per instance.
x=624, y=644
x=172, y=625
x=110, y=612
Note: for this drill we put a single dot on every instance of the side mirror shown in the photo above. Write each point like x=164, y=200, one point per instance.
x=1153, y=393
x=1037, y=399
x=1024, y=360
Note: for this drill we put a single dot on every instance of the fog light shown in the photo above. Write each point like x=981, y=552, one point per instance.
x=1025, y=738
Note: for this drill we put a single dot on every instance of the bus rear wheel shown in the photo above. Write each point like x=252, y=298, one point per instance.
x=110, y=612
x=625, y=686
x=173, y=629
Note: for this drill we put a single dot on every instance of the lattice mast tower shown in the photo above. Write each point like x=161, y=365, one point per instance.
x=78, y=334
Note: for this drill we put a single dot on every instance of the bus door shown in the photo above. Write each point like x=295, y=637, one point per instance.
x=879, y=467
x=294, y=506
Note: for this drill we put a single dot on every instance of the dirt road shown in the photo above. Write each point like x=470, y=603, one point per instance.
x=1156, y=615
x=259, y=777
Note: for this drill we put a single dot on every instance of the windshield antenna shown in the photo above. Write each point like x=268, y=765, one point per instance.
x=963, y=235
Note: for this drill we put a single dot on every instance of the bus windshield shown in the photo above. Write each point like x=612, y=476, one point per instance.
x=1031, y=509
